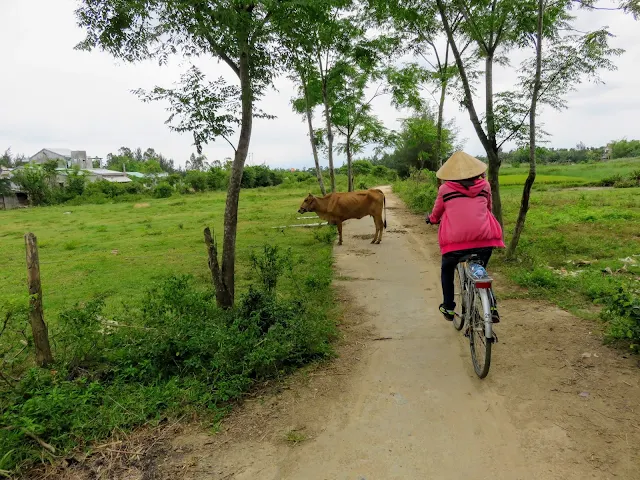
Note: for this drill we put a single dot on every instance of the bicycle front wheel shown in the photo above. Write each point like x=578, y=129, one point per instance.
x=459, y=298
x=480, y=344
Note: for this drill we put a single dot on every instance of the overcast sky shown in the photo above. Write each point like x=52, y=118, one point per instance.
x=53, y=96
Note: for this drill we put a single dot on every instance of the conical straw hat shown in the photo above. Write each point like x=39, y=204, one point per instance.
x=461, y=166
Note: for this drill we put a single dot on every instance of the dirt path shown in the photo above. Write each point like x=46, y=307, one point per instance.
x=402, y=401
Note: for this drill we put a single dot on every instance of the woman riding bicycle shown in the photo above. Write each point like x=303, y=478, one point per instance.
x=463, y=209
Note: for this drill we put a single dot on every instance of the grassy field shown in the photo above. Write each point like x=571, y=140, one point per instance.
x=119, y=249
x=580, y=248
x=575, y=173
x=171, y=351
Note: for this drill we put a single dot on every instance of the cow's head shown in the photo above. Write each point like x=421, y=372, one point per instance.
x=308, y=205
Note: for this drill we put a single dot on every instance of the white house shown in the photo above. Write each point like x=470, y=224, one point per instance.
x=66, y=158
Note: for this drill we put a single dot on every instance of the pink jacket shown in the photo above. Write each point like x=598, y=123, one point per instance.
x=465, y=217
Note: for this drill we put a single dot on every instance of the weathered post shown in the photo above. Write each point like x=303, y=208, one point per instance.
x=36, y=315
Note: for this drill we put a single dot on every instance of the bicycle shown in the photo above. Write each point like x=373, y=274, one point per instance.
x=474, y=294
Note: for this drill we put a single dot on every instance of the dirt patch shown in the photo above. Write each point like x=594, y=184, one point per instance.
x=395, y=230
x=368, y=236
x=134, y=457
x=142, y=205
x=563, y=386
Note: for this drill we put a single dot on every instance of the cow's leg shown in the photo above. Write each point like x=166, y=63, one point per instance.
x=379, y=228
x=375, y=236
x=339, y=224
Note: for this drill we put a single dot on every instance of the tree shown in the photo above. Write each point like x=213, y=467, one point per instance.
x=535, y=92
x=151, y=166
x=416, y=144
x=197, y=162
x=352, y=111
x=418, y=27
x=35, y=181
x=242, y=34
x=567, y=60
x=495, y=27
x=301, y=47
x=5, y=186
x=6, y=160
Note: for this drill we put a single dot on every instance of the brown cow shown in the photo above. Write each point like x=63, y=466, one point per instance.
x=335, y=208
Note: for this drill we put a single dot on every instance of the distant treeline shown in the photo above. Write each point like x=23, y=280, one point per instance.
x=578, y=154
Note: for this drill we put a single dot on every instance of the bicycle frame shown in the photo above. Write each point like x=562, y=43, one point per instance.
x=472, y=287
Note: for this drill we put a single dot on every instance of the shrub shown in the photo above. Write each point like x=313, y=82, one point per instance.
x=611, y=181
x=36, y=183
x=419, y=192
x=622, y=312
x=196, y=180
x=163, y=190
x=176, y=353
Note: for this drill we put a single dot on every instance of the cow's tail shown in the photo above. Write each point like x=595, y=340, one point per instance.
x=384, y=205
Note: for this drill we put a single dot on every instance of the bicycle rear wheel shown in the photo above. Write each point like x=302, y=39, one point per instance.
x=459, y=298
x=479, y=343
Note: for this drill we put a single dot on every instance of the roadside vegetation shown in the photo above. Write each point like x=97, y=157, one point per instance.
x=580, y=247
x=134, y=328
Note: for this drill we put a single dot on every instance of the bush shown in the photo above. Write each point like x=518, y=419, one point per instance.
x=217, y=178
x=622, y=312
x=163, y=190
x=196, y=180
x=419, y=192
x=36, y=183
x=177, y=353
x=611, y=181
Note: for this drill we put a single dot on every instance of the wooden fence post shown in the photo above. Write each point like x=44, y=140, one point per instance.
x=36, y=315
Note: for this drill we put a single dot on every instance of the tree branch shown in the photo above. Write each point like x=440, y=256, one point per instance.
x=229, y=142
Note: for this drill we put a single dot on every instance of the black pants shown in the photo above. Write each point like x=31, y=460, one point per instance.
x=449, y=262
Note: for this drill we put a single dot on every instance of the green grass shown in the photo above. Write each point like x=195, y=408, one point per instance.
x=118, y=249
x=519, y=179
x=566, y=227
x=589, y=172
x=174, y=352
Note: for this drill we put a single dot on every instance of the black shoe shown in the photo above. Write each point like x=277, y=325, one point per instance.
x=448, y=314
x=495, y=316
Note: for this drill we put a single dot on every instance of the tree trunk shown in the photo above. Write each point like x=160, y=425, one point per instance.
x=443, y=92
x=492, y=154
x=444, y=81
x=349, y=170
x=36, y=314
x=526, y=191
x=226, y=298
x=312, y=137
x=327, y=116
x=489, y=146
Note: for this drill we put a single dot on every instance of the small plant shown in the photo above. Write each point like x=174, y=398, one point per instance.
x=70, y=245
x=622, y=312
x=295, y=436
x=270, y=266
